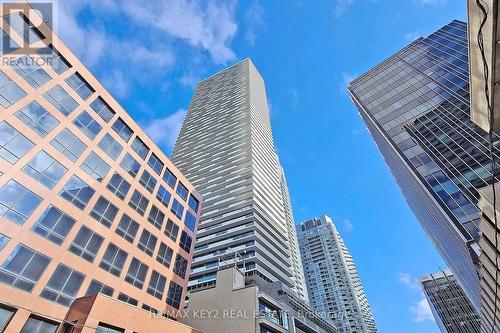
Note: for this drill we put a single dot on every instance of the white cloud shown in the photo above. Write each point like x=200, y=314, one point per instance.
x=347, y=225
x=429, y=2
x=294, y=98
x=421, y=311
x=408, y=280
x=87, y=42
x=164, y=131
x=116, y=84
x=341, y=6
x=254, y=18
x=412, y=36
x=189, y=80
x=209, y=24
x=345, y=81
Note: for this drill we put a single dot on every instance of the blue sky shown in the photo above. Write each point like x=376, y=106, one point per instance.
x=151, y=54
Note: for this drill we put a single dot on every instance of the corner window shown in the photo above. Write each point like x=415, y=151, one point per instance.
x=190, y=221
x=180, y=266
x=193, y=203
x=174, y=295
x=185, y=242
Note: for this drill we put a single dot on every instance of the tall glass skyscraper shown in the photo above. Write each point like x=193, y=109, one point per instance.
x=331, y=277
x=416, y=106
x=226, y=149
x=450, y=307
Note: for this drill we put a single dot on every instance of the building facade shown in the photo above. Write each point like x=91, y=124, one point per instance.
x=226, y=149
x=450, y=306
x=88, y=203
x=332, y=280
x=416, y=106
x=490, y=252
x=253, y=305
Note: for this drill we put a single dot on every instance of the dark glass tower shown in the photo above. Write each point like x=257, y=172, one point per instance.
x=416, y=106
x=450, y=307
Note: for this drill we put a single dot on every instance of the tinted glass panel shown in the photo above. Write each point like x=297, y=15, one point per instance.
x=17, y=203
x=61, y=100
x=13, y=145
x=68, y=144
x=45, y=169
x=53, y=225
x=102, y=109
x=23, y=267
x=77, y=192
x=37, y=118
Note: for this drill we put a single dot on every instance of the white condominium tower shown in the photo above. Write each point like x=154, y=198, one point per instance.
x=331, y=277
x=226, y=149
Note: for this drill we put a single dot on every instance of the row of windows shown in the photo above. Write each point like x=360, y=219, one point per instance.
x=36, y=324
x=44, y=168
x=24, y=267
x=55, y=225
x=42, y=123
